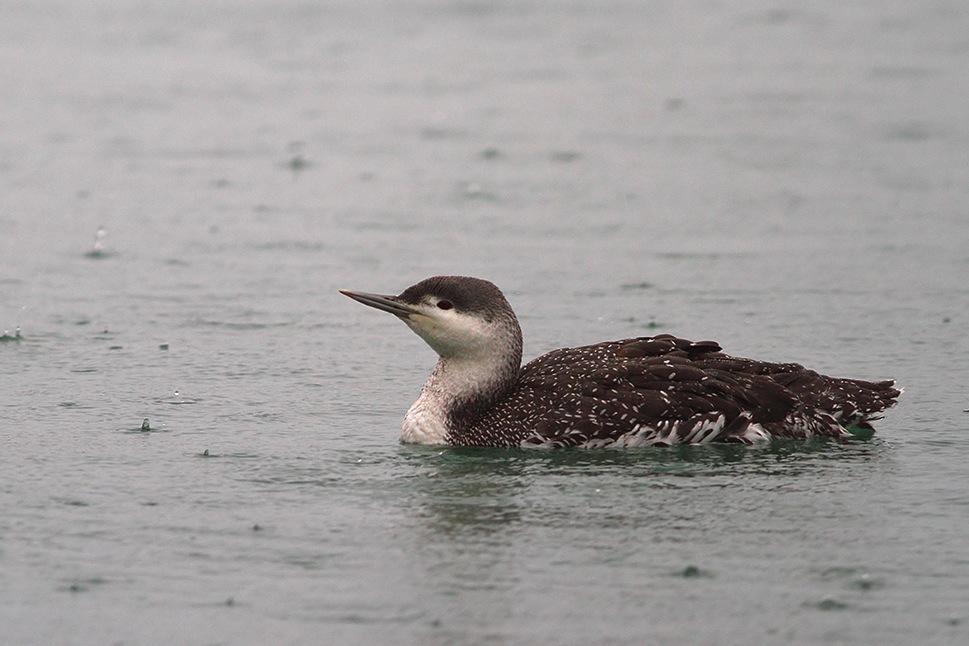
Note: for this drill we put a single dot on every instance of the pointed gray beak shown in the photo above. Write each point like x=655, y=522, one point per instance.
x=384, y=303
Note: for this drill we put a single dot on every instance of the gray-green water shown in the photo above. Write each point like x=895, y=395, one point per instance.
x=791, y=181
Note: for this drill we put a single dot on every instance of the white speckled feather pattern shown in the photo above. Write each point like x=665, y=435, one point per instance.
x=664, y=391
x=644, y=391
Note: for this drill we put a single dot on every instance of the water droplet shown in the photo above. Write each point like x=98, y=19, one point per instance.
x=297, y=161
x=831, y=604
x=564, y=156
x=866, y=583
x=690, y=571
x=97, y=251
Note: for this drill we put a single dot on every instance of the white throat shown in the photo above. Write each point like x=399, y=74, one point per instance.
x=453, y=382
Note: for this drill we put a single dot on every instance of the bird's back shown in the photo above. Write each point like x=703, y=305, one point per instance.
x=664, y=390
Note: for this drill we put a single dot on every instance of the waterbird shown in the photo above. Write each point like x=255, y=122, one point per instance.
x=654, y=390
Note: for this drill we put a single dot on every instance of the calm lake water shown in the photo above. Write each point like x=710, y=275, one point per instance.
x=790, y=181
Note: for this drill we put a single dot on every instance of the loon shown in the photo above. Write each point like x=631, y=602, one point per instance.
x=645, y=391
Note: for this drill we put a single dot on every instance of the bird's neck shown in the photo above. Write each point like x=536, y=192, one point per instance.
x=458, y=393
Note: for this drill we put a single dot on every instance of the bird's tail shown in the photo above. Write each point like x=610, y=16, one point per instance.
x=854, y=403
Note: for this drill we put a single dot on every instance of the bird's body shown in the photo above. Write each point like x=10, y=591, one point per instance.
x=644, y=391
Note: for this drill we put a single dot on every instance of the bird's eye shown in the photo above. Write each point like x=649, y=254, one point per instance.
x=444, y=304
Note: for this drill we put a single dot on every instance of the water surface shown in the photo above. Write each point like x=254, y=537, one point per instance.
x=789, y=181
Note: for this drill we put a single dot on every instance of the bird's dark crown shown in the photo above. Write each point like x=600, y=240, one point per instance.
x=466, y=294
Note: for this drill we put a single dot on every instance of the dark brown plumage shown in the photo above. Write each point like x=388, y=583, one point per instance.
x=659, y=390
